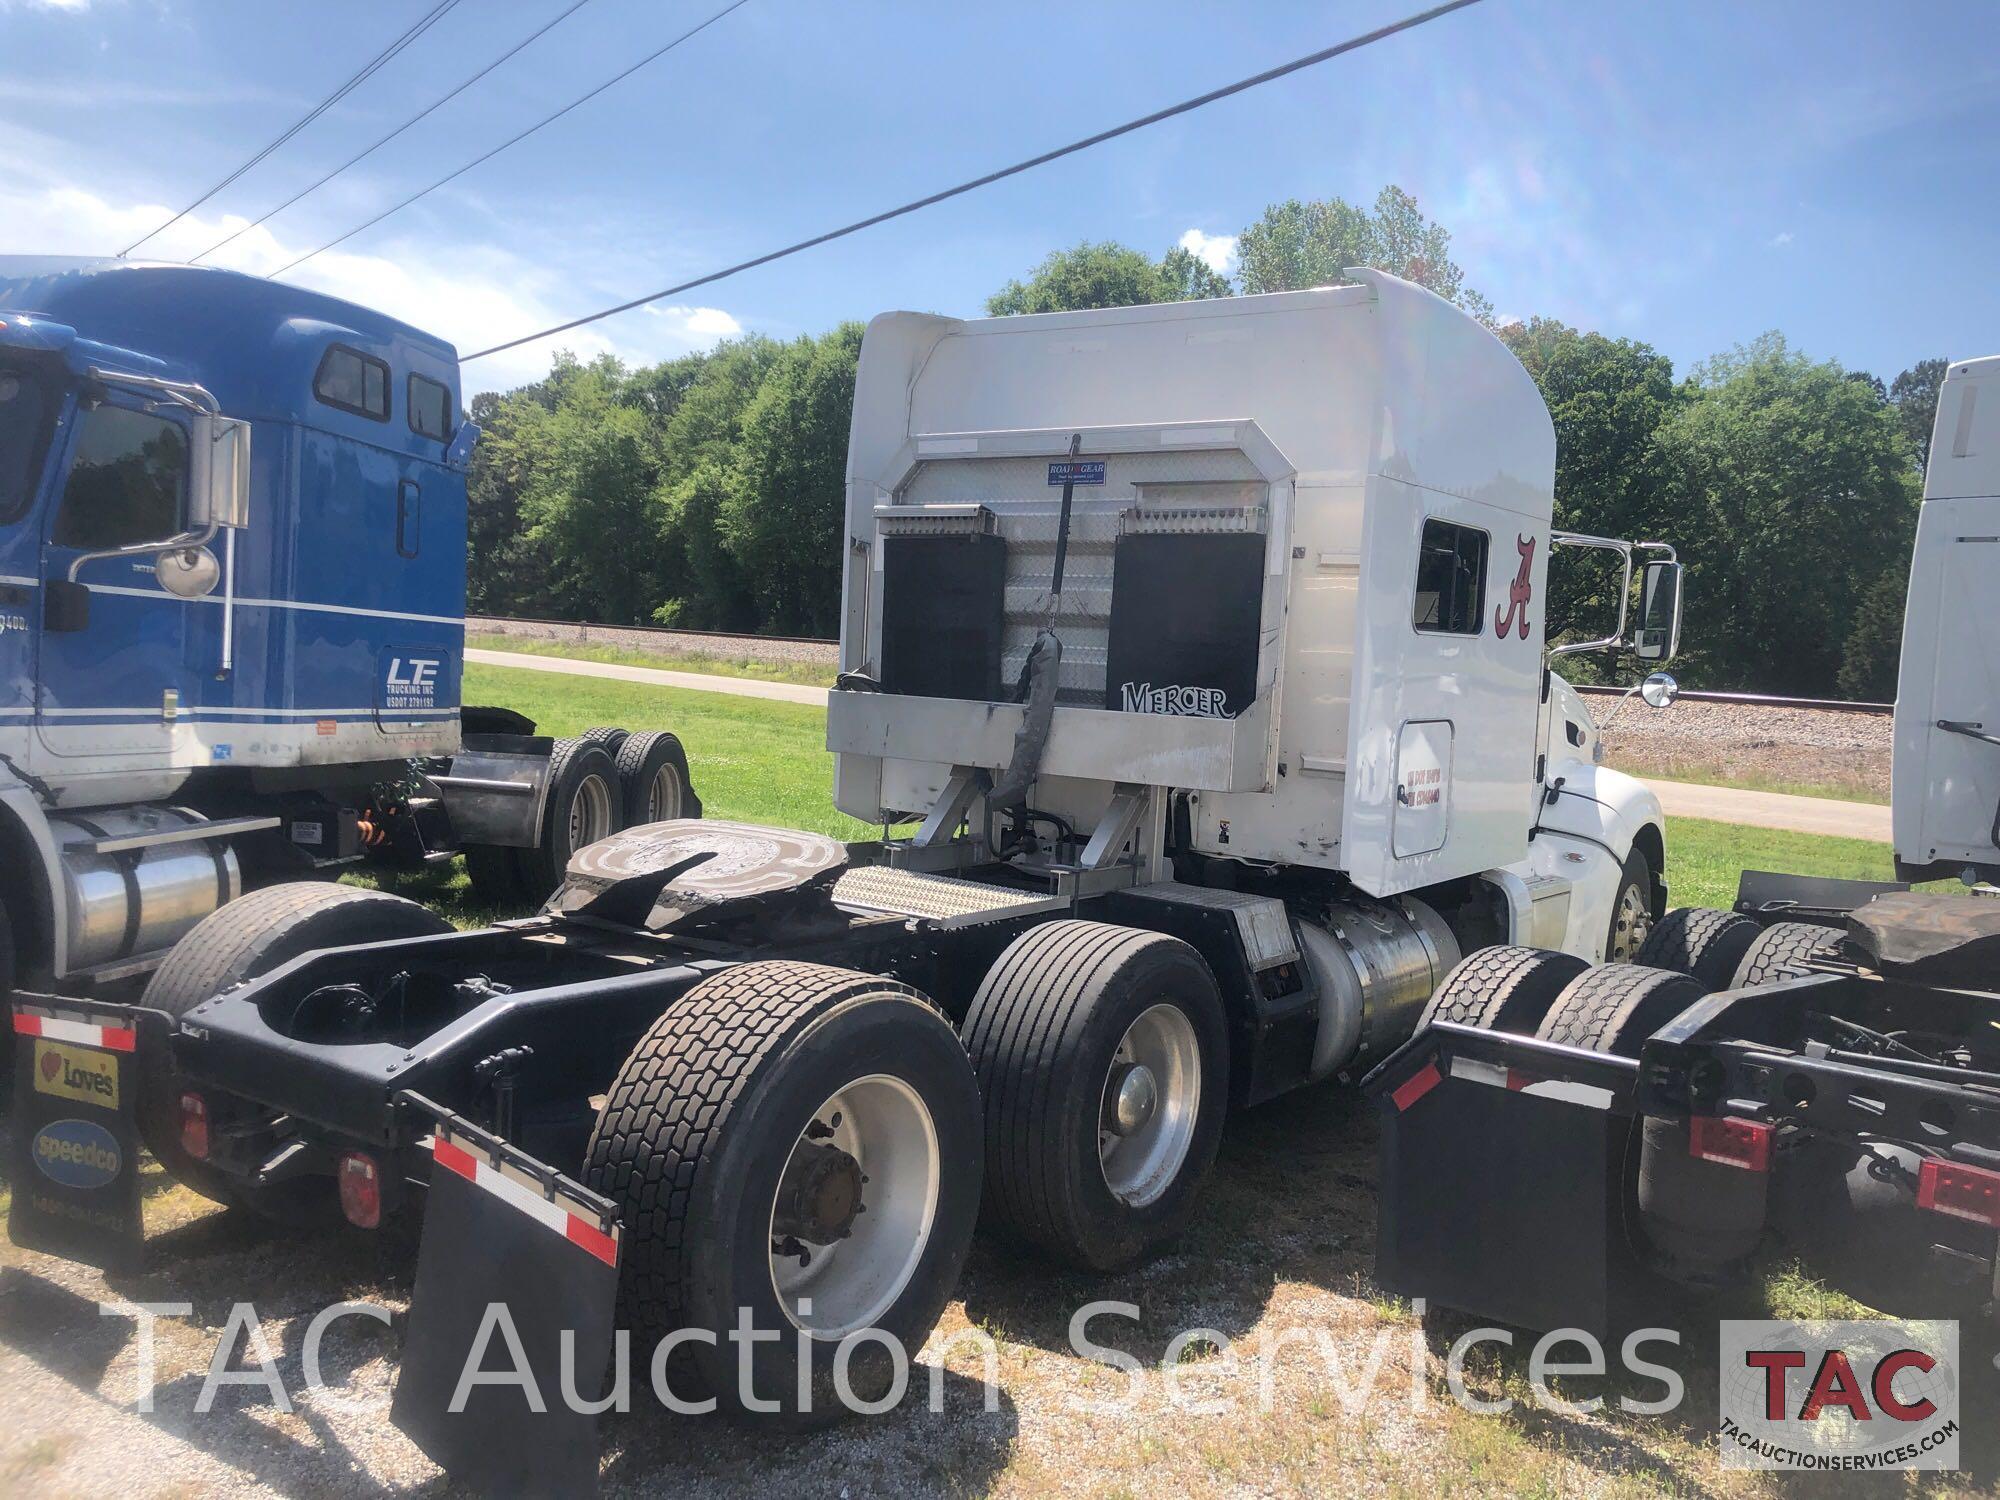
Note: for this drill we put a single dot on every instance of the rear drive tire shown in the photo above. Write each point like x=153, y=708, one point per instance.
x=583, y=805
x=1615, y=1007
x=7, y=1042
x=653, y=776
x=1785, y=950
x=610, y=736
x=741, y=1129
x=1701, y=942
x=248, y=937
x=1508, y=988
x=1103, y=1058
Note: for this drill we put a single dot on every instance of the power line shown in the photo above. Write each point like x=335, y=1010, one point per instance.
x=429, y=20
x=414, y=119
x=515, y=140
x=1311, y=59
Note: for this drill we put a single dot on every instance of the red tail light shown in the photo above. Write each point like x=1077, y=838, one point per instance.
x=1730, y=1143
x=194, y=1126
x=1949, y=1187
x=360, y=1190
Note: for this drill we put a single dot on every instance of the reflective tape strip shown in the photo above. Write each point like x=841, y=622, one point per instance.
x=1589, y=1095
x=481, y=1173
x=1418, y=1084
x=55, y=1029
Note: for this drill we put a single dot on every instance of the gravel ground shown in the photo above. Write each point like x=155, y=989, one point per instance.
x=1775, y=748
x=1283, y=1243
x=670, y=642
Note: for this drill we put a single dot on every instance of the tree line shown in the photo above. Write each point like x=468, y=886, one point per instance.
x=706, y=492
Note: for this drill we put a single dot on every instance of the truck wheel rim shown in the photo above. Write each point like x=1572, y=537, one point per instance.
x=663, y=795
x=1629, y=931
x=589, y=813
x=1150, y=1101
x=830, y=1290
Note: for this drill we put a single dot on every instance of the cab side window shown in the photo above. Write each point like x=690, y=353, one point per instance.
x=353, y=382
x=429, y=406
x=1451, y=579
x=128, y=483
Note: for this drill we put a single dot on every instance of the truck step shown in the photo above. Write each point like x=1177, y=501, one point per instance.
x=936, y=900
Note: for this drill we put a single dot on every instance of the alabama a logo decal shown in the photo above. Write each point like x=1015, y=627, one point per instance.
x=1515, y=615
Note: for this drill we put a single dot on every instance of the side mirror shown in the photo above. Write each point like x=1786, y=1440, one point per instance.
x=1659, y=690
x=219, y=476
x=65, y=606
x=188, y=572
x=1657, y=637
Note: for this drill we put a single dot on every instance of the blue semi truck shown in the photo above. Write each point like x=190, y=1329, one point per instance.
x=232, y=596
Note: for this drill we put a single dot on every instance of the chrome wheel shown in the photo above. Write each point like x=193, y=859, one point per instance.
x=1630, y=926
x=854, y=1207
x=663, y=795
x=1151, y=1097
x=590, y=813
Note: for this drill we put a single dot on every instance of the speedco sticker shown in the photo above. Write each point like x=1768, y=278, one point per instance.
x=72, y=1073
x=77, y=1154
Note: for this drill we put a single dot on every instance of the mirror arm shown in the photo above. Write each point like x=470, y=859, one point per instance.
x=147, y=549
x=186, y=392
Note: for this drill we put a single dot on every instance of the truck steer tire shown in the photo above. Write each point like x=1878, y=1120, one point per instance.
x=1783, y=951
x=1615, y=1007
x=653, y=776
x=583, y=805
x=1103, y=1059
x=1702, y=942
x=495, y=874
x=248, y=937
x=1631, y=911
x=802, y=1143
x=1507, y=988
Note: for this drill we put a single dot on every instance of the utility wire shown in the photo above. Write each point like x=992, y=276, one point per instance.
x=1311, y=59
x=515, y=140
x=414, y=119
x=430, y=19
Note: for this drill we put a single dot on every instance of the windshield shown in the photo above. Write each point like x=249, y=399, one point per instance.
x=27, y=406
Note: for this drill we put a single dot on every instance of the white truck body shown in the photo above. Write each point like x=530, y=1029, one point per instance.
x=1340, y=423
x=1946, y=782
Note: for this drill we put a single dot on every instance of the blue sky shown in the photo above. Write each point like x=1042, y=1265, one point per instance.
x=1686, y=174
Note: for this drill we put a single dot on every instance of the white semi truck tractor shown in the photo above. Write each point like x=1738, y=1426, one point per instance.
x=1194, y=664
x=1815, y=1074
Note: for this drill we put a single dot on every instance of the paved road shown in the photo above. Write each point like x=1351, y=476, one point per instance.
x=742, y=687
x=1681, y=799
x=1728, y=804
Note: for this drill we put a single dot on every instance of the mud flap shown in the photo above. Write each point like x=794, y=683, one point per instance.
x=1504, y=1178
x=75, y=1166
x=517, y=1260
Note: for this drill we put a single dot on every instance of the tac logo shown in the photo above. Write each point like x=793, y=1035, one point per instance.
x=77, y=1154
x=1844, y=1396
x=74, y=1073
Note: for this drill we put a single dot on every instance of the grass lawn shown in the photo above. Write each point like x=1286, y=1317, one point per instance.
x=760, y=762
x=672, y=661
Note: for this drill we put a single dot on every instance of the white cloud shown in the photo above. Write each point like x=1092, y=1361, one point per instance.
x=473, y=295
x=1218, y=250
x=1780, y=240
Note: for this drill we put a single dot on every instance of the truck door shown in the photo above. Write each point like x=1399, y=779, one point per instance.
x=111, y=687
